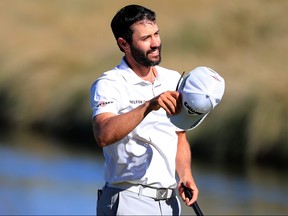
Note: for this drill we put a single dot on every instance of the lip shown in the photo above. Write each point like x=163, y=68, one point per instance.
x=154, y=52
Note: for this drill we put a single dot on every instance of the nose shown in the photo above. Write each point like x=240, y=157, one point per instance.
x=155, y=41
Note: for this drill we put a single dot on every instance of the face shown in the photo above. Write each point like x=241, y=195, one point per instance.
x=145, y=48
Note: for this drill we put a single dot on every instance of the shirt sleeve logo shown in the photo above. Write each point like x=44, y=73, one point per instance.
x=103, y=103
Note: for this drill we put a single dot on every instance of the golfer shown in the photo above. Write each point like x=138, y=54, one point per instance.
x=132, y=105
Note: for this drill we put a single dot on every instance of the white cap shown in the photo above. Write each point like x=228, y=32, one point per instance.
x=201, y=90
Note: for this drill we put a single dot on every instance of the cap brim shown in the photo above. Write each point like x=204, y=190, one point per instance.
x=184, y=122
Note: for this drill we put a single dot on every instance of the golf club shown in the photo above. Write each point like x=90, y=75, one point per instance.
x=195, y=205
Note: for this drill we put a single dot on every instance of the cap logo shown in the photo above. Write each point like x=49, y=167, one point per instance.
x=191, y=110
x=216, y=77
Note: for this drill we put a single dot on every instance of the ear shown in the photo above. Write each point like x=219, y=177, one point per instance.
x=122, y=43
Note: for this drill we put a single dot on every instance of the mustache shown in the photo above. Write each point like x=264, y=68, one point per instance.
x=153, y=49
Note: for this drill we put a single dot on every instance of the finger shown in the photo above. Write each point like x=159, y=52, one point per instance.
x=194, y=197
x=191, y=192
x=181, y=193
x=190, y=202
x=171, y=101
x=168, y=105
x=187, y=202
x=178, y=100
x=174, y=94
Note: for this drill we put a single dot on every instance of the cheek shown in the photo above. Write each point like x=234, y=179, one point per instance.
x=143, y=47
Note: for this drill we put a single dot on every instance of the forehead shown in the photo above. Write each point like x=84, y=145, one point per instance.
x=144, y=27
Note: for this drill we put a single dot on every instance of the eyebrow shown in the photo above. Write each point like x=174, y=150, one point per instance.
x=147, y=36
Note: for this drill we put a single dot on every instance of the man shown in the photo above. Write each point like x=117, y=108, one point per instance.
x=131, y=107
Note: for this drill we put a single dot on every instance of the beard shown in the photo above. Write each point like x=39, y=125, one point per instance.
x=142, y=58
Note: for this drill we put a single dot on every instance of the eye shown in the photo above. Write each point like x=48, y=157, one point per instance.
x=157, y=33
x=145, y=38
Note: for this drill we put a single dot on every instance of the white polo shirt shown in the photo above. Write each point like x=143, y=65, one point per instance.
x=147, y=155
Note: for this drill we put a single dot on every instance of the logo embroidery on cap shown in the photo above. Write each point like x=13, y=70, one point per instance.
x=216, y=78
x=191, y=110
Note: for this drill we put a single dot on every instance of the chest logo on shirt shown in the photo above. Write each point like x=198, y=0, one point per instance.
x=137, y=101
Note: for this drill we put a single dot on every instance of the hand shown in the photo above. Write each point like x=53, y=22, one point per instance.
x=170, y=101
x=192, y=192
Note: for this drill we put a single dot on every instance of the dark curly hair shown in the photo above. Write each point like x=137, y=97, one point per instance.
x=126, y=17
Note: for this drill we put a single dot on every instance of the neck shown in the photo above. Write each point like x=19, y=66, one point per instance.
x=145, y=73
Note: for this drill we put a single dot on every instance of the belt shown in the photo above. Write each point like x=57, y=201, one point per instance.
x=155, y=193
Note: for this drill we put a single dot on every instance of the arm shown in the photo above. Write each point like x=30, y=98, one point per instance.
x=183, y=168
x=109, y=128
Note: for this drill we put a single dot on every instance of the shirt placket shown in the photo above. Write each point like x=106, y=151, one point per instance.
x=156, y=88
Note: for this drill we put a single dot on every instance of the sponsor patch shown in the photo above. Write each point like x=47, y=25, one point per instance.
x=103, y=103
x=191, y=110
x=137, y=101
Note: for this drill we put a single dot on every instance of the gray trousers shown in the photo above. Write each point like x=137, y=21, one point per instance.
x=115, y=201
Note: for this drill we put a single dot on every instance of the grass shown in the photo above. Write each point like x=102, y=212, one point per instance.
x=52, y=51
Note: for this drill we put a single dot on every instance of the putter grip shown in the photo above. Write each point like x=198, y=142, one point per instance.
x=195, y=206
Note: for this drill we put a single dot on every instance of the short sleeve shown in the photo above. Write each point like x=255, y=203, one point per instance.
x=104, y=97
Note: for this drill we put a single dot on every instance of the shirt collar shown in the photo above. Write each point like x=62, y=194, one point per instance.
x=129, y=75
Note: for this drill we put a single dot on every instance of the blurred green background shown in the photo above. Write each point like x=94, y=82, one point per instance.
x=52, y=51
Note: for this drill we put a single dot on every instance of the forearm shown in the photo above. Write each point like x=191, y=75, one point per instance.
x=183, y=158
x=109, y=129
x=183, y=167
